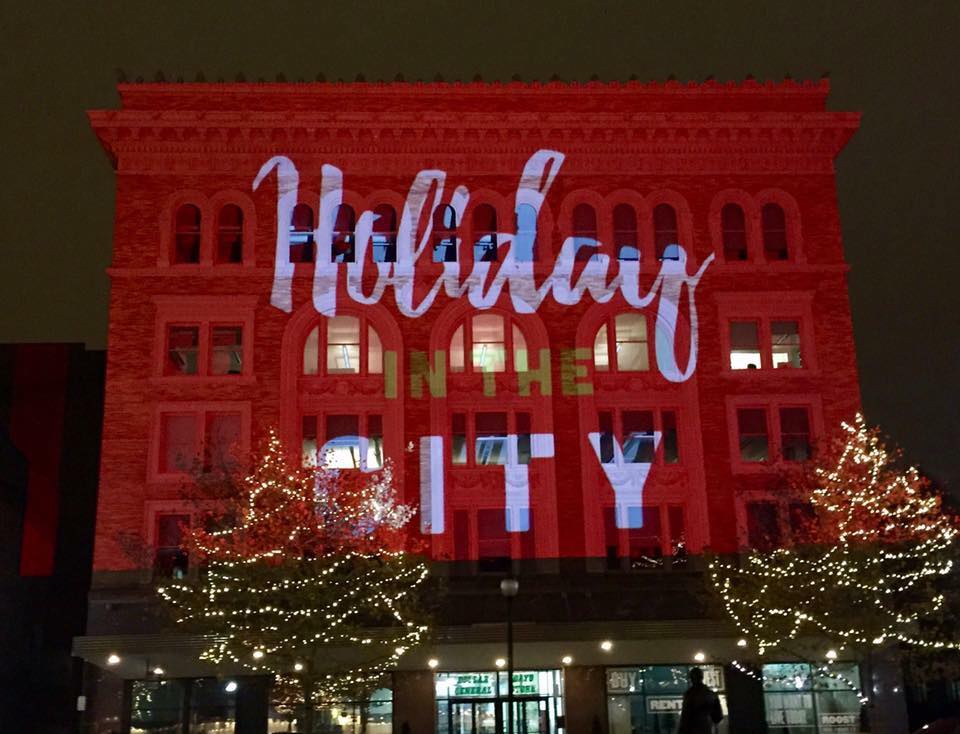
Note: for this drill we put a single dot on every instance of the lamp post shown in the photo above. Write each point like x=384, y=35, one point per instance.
x=509, y=588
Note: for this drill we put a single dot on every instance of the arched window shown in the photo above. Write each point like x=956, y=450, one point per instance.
x=525, y=245
x=495, y=344
x=624, y=337
x=734, y=228
x=625, y=232
x=584, y=225
x=385, y=234
x=230, y=234
x=665, y=232
x=301, y=234
x=774, y=224
x=484, y=222
x=343, y=345
x=344, y=226
x=186, y=247
x=444, y=234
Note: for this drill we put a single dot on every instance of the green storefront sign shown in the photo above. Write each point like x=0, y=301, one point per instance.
x=482, y=685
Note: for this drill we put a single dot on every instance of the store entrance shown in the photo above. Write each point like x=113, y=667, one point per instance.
x=531, y=715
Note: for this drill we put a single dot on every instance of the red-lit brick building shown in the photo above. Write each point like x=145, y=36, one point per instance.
x=591, y=325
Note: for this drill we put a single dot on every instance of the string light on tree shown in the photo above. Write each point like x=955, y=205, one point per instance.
x=306, y=567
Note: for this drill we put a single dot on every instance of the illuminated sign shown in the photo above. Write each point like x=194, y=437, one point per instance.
x=483, y=685
x=671, y=705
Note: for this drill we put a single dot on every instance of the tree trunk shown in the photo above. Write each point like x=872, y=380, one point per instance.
x=308, y=712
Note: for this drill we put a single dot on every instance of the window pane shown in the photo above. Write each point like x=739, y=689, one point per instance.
x=222, y=440
x=230, y=235
x=178, y=442
x=374, y=442
x=187, y=235
x=601, y=350
x=489, y=351
x=752, y=424
x=311, y=352
x=384, y=237
x=631, y=331
x=227, y=357
x=774, y=232
x=491, y=439
x=611, y=537
x=492, y=539
x=744, y=345
x=665, y=231
x=607, y=454
x=678, y=531
x=343, y=345
x=456, y=350
x=625, y=240
x=734, y=230
x=519, y=350
x=646, y=550
x=156, y=706
x=342, y=446
x=212, y=707
x=342, y=250
x=183, y=349
x=301, y=234
x=794, y=434
x=671, y=443
x=484, y=233
x=638, y=436
x=763, y=526
x=308, y=444
x=803, y=522
x=170, y=558
x=785, y=344
x=374, y=352
x=458, y=441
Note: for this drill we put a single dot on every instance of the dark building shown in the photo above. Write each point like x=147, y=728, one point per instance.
x=51, y=409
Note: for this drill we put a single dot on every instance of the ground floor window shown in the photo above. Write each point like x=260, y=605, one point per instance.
x=648, y=699
x=800, y=697
x=373, y=716
x=178, y=706
x=477, y=703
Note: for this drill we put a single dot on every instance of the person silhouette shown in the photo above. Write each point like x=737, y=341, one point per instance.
x=701, y=707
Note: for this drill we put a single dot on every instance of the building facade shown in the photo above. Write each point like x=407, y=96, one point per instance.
x=591, y=325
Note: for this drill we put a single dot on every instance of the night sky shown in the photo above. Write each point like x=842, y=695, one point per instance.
x=897, y=63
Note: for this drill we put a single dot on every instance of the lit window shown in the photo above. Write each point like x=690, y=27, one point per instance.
x=752, y=427
x=343, y=345
x=734, y=227
x=785, y=344
x=342, y=445
x=179, y=447
x=631, y=342
x=187, y=237
x=227, y=354
x=456, y=350
x=374, y=352
x=665, y=232
x=491, y=438
x=350, y=442
x=774, y=224
x=601, y=350
x=458, y=439
x=489, y=349
x=444, y=234
x=344, y=224
x=625, y=239
x=744, y=345
x=311, y=352
x=584, y=223
x=385, y=234
x=230, y=234
x=520, y=363
x=794, y=434
x=301, y=234
x=488, y=341
x=484, y=222
x=183, y=350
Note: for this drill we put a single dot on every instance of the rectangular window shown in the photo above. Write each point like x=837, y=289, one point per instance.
x=645, y=541
x=785, y=344
x=489, y=347
x=157, y=705
x=374, y=442
x=744, y=345
x=491, y=438
x=458, y=439
x=523, y=438
x=631, y=332
x=607, y=454
x=309, y=440
x=803, y=522
x=794, y=434
x=493, y=543
x=638, y=439
x=671, y=443
x=763, y=526
x=227, y=354
x=183, y=350
x=342, y=447
x=179, y=442
x=343, y=345
x=170, y=558
x=752, y=427
x=222, y=439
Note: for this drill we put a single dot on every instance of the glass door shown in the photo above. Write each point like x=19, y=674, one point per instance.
x=530, y=715
x=472, y=717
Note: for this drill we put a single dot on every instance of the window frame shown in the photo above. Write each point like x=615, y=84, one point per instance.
x=623, y=561
x=610, y=322
x=509, y=361
x=470, y=414
x=363, y=429
x=657, y=410
x=322, y=325
x=200, y=411
x=765, y=308
x=771, y=405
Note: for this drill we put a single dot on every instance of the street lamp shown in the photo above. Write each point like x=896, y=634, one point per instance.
x=509, y=588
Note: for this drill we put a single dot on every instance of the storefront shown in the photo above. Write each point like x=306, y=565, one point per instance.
x=476, y=703
x=800, y=698
x=648, y=699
